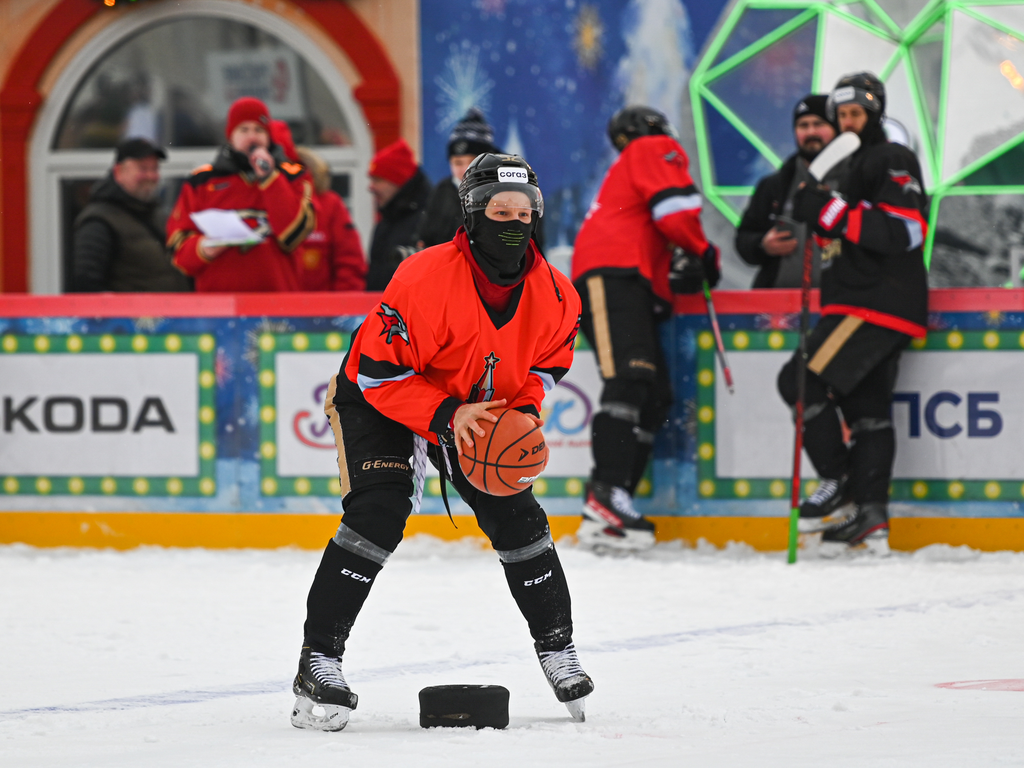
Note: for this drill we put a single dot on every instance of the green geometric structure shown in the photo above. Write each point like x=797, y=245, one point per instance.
x=953, y=71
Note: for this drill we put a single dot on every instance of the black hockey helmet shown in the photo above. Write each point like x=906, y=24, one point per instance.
x=633, y=122
x=862, y=88
x=491, y=173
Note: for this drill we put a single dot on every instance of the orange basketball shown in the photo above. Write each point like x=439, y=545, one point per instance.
x=509, y=457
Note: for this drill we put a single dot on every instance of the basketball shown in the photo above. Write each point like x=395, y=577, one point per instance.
x=509, y=457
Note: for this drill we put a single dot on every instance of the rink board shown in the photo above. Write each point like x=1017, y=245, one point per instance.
x=192, y=419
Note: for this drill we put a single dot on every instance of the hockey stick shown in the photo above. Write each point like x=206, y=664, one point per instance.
x=719, y=345
x=844, y=145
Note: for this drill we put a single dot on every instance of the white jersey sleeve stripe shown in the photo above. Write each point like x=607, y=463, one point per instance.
x=675, y=204
x=546, y=379
x=365, y=382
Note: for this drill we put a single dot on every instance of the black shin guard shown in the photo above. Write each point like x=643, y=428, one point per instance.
x=614, y=448
x=823, y=440
x=340, y=588
x=872, y=450
x=539, y=588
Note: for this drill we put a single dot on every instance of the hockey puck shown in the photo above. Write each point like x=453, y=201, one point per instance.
x=464, y=706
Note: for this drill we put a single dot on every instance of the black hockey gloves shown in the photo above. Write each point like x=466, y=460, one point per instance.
x=822, y=209
x=688, y=271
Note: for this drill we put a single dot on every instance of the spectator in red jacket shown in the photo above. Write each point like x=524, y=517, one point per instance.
x=274, y=198
x=331, y=258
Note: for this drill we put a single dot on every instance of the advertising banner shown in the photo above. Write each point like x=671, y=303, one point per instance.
x=297, y=449
x=958, y=412
x=109, y=414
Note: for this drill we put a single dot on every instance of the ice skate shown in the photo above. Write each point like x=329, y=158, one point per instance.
x=829, y=506
x=323, y=699
x=610, y=521
x=867, y=532
x=567, y=679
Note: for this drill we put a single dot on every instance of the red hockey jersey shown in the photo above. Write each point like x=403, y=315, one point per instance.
x=331, y=258
x=647, y=204
x=279, y=207
x=431, y=344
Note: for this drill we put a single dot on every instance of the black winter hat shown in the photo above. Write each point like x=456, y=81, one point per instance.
x=812, y=104
x=472, y=135
x=138, y=148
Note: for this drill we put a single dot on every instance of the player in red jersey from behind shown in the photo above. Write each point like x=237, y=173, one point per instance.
x=640, y=243
x=463, y=327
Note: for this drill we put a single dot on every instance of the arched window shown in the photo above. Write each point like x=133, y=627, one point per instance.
x=170, y=73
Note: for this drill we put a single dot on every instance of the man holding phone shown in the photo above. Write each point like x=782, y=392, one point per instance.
x=767, y=236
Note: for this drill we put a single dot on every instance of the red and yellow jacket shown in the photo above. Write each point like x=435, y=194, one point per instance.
x=331, y=258
x=647, y=204
x=279, y=207
x=432, y=345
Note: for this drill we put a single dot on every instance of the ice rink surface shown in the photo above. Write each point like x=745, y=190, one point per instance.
x=158, y=657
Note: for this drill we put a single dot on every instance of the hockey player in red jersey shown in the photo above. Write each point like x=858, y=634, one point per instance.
x=874, y=300
x=640, y=243
x=274, y=199
x=486, y=302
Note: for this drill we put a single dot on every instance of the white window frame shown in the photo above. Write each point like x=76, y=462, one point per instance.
x=48, y=167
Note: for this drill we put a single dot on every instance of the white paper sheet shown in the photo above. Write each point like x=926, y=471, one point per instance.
x=223, y=227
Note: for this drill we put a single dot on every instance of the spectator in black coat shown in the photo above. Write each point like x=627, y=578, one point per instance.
x=759, y=242
x=118, y=241
x=470, y=137
x=400, y=190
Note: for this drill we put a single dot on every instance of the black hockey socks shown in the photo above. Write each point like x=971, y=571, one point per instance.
x=644, y=447
x=823, y=440
x=340, y=588
x=614, y=447
x=537, y=583
x=872, y=450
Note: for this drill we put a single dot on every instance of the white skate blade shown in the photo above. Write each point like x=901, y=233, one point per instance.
x=872, y=546
x=817, y=524
x=319, y=717
x=601, y=536
x=576, y=709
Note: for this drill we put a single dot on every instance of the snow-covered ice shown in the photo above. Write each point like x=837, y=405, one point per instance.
x=173, y=657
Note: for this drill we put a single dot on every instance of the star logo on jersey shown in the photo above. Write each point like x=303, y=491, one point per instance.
x=394, y=325
x=907, y=182
x=571, y=341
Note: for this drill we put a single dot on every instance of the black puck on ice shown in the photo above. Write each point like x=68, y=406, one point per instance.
x=464, y=706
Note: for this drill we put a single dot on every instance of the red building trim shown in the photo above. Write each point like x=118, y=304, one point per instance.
x=20, y=100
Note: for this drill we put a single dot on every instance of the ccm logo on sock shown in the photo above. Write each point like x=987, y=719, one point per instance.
x=538, y=580
x=356, y=576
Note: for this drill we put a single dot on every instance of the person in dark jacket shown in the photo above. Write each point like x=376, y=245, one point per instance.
x=470, y=137
x=759, y=240
x=400, y=190
x=874, y=300
x=118, y=241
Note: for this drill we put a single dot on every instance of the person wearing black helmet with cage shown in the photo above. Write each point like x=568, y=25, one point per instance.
x=640, y=243
x=874, y=300
x=483, y=307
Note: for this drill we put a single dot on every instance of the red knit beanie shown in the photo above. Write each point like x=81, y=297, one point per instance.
x=247, y=108
x=394, y=163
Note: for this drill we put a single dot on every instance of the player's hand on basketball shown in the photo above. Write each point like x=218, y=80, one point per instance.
x=464, y=423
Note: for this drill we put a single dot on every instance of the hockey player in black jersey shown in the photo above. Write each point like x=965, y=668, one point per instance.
x=874, y=300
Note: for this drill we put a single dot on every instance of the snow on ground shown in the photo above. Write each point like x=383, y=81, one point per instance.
x=162, y=657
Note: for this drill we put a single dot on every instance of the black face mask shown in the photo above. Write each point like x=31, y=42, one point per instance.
x=499, y=246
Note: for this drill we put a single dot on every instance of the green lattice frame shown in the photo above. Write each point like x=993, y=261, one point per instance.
x=202, y=345
x=916, y=31
x=710, y=486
